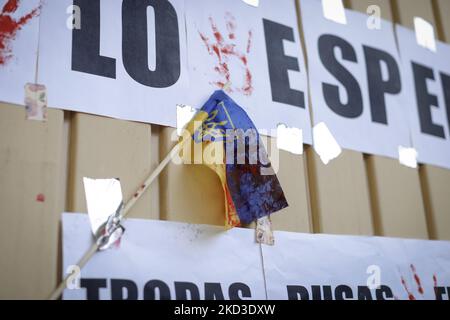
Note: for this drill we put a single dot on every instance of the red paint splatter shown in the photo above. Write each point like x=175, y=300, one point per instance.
x=249, y=41
x=410, y=295
x=231, y=26
x=117, y=243
x=40, y=197
x=417, y=279
x=418, y=282
x=224, y=51
x=9, y=27
x=435, y=285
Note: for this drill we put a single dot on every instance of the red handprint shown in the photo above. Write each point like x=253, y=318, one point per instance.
x=418, y=282
x=9, y=27
x=224, y=49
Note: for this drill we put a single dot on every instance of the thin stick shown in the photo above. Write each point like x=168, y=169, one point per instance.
x=130, y=203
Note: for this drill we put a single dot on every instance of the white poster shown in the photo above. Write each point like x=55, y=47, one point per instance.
x=19, y=35
x=427, y=78
x=165, y=260
x=254, y=54
x=326, y=267
x=355, y=80
x=171, y=260
x=123, y=59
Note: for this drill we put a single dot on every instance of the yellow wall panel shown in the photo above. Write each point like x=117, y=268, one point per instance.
x=362, y=5
x=339, y=194
x=30, y=174
x=436, y=186
x=396, y=199
x=102, y=147
x=406, y=10
x=292, y=175
x=441, y=12
x=189, y=192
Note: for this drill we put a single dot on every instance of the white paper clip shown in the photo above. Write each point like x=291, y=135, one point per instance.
x=334, y=10
x=325, y=144
x=425, y=34
x=407, y=157
x=111, y=231
x=289, y=139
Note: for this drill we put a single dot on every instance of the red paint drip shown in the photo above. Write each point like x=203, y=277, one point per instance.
x=410, y=295
x=205, y=40
x=216, y=32
x=417, y=279
x=249, y=41
x=217, y=51
x=435, y=285
x=9, y=27
x=231, y=25
x=40, y=197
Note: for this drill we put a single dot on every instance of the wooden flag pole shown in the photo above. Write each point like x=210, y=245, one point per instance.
x=129, y=204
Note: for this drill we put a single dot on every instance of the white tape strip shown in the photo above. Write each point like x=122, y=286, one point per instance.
x=264, y=232
x=36, y=102
x=184, y=115
x=425, y=33
x=325, y=144
x=253, y=3
x=334, y=10
x=407, y=157
x=290, y=139
x=103, y=197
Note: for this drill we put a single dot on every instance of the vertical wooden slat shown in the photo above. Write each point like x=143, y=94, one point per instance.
x=339, y=194
x=395, y=190
x=189, y=192
x=106, y=148
x=292, y=175
x=30, y=200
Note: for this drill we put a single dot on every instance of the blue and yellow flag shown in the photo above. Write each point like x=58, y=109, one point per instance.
x=250, y=186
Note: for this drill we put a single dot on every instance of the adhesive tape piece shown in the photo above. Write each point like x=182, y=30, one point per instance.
x=184, y=115
x=407, y=157
x=103, y=197
x=253, y=3
x=334, y=10
x=325, y=144
x=425, y=34
x=290, y=139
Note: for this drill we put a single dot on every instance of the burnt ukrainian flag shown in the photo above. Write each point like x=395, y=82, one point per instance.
x=251, y=188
